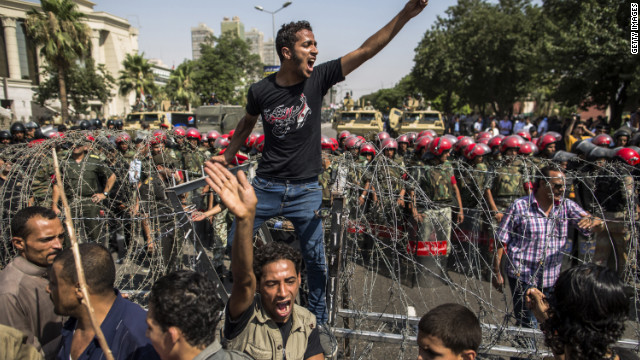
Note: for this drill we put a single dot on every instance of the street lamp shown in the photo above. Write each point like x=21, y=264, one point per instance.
x=273, y=23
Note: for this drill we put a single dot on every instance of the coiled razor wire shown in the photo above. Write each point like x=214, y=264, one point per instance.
x=380, y=291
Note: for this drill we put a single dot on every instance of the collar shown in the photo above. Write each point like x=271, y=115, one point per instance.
x=213, y=348
x=29, y=268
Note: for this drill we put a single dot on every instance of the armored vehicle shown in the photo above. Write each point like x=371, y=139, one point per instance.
x=402, y=122
x=359, y=122
x=222, y=118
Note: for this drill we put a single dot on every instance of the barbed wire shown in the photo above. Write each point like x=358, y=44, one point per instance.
x=382, y=273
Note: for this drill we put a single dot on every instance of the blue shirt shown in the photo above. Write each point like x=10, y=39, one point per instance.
x=124, y=329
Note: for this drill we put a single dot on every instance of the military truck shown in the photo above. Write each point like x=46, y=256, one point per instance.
x=133, y=122
x=222, y=118
x=401, y=122
x=359, y=122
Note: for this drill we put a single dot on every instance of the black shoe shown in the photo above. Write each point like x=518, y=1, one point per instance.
x=328, y=342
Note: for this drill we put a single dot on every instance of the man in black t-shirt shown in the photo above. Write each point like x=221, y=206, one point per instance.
x=290, y=102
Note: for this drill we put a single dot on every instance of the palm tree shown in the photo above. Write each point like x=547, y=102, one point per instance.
x=64, y=38
x=181, y=87
x=136, y=76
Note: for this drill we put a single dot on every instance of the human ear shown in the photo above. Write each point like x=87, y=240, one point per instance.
x=467, y=355
x=286, y=52
x=18, y=243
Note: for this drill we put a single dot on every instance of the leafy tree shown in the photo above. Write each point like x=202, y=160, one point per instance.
x=226, y=69
x=137, y=76
x=63, y=38
x=386, y=99
x=181, y=87
x=482, y=52
x=84, y=82
x=589, y=53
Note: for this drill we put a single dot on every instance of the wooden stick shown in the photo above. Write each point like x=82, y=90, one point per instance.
x=76, y=256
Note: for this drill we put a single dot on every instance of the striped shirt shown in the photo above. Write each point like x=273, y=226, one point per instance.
x=535, y=241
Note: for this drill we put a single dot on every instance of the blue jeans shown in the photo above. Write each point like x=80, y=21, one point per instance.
x=524, y=316
x=297, y=200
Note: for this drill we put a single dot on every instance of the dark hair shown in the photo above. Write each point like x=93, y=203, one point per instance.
x=274, y=251
x=544, y=174
x=188, y=301
x=589, y=312
x=19, y=221
x=99, y=269
x=455, y=325
x=287, y=35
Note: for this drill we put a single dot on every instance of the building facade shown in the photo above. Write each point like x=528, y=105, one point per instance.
x=200, y=34
x=255, y=39
x=233, y=25
x=112, y=38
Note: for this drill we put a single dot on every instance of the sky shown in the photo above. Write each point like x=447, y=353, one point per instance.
x=339, y=26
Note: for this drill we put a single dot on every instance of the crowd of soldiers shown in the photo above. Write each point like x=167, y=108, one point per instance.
x=423, y=187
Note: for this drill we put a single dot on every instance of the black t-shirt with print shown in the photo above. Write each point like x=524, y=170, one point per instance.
x=291, y=121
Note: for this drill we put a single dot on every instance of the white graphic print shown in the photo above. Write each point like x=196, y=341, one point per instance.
x=285, y=119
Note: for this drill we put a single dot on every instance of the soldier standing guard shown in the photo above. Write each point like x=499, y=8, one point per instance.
x=80, y=176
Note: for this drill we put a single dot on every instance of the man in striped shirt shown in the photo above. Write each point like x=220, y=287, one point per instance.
x=534, y=232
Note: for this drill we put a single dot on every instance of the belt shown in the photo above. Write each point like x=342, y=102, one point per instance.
x=313, y=179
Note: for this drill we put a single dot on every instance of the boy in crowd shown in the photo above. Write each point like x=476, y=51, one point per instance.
x=449, y=332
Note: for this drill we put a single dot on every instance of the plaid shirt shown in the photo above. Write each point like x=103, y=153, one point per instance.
x=535, y=241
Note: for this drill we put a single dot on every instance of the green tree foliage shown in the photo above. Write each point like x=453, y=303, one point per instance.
x=137, y=76
x=481, y=53
x=588, y=48
x=226, y=69
x=63, y=37
x=181, y=87
x=386, y=99
x=84, y=82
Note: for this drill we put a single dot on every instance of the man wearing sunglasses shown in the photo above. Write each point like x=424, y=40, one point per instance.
x=533, y=232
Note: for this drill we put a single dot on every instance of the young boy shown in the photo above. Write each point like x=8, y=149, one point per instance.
x=449, y=332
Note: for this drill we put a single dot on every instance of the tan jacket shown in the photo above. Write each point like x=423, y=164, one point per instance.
x=261, y=337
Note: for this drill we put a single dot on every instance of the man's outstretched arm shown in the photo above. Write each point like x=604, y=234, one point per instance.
x=238, y=196
x=380, y=39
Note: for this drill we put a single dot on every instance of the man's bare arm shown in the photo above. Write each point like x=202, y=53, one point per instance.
x=380, y=39
x=238, y=196
x=243, y=129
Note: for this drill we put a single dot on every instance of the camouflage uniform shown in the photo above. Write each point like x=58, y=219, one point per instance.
x=615, y=191
x=81, y=181
x=121, y=199
x=507, y=183
x=435, y=207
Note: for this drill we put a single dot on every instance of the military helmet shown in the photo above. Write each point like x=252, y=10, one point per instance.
x=403, y=139
x=528, y=148
x=484, y=134
x=546, y=140
x=111, y=122
x=462, y=142
x=212, y=135
x=367, y=148
x=382, y=136
x=604, y=140
x=221, y=143
x=123, y=137
x=495, y=141
x=119, y=124
x=5, y=135
x=179, y=131
x=555, y=134
x=250, y=140
x=511, y=141
x=622, y=132
x=423, y=143
x=193, y=133
x=259, y=144
x=97, y=123
x=85, y=125
x=473, y=150
x=440, y=145
x=31, y=125
x=17, y=127
x=453, y=139
x=352, y=142
x=158, y=137
x=524, y=134
x=629, y=156
x=412, y=137
x=429, y=132
x=344, y=134
x=231, y=132
x=389, y=144
x=326, y=143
